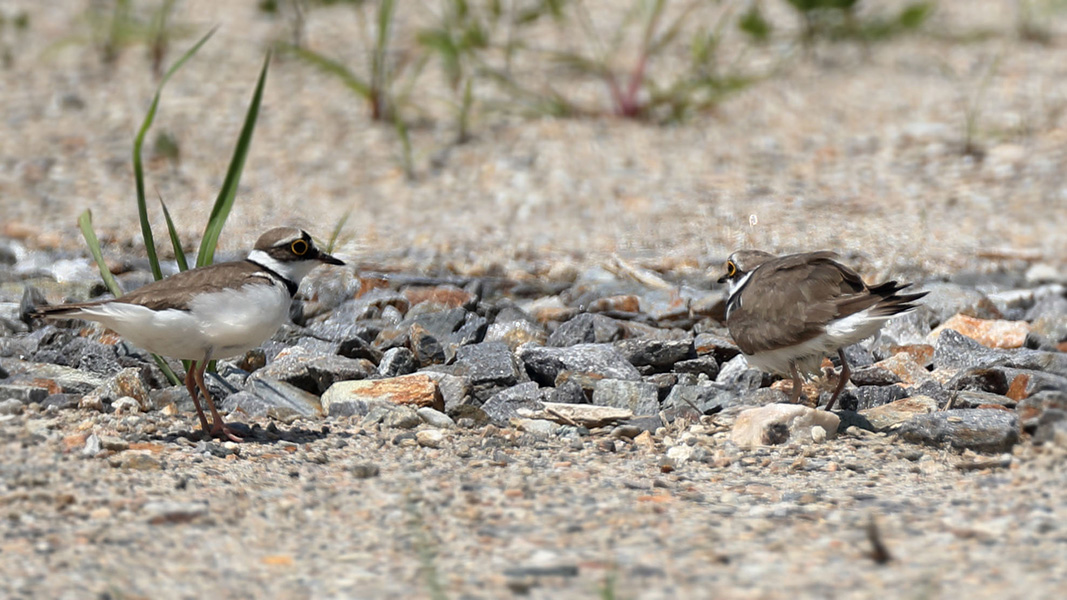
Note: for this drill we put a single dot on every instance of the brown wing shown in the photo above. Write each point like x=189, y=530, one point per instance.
x=177, y=290
x=790, y=300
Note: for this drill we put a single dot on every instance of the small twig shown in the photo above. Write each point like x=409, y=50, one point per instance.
x=567, y=419
x=879, y=552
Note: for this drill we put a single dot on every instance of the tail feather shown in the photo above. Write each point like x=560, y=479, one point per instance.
x=62, y=311
x=893, y=302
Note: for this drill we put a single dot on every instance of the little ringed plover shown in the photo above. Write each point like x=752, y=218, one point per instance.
x=217, y=311
x=787, y=313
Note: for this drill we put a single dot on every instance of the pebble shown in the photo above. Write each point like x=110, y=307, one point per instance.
x=430, y=438
x=11, y=406
x=435, y=418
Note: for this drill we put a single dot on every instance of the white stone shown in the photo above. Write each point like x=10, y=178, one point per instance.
x=680, y=454
x=779, y=423
x=818, y=434
x=430, y=438
x=126, y=406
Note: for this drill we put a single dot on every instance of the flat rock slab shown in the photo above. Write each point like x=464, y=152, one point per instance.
x=577, y=414
x=981, y=430
x=275, y=399
x=346, y=398
x=778, y=423
x=891, y=415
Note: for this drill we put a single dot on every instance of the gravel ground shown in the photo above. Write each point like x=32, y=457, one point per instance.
x=848, y=148
x=488, y=516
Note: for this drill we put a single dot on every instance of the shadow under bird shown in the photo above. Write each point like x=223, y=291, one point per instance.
x=787, y=313
x=211, y=312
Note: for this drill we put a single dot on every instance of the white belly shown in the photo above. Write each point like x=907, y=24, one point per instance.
x=223, y=324
x=808, y=355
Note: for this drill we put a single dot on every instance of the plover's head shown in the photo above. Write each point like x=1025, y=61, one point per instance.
x=740, y=265
x=290, y=252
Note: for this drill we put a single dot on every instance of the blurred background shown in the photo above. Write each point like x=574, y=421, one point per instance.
x=532, y=137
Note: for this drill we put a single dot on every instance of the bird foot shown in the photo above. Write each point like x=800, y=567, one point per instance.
x=223, y=431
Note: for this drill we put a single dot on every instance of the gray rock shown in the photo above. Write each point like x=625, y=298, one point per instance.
x=487, y=362
x=441, y=324
x=665, y=381
x=639, y=397
x=327, y=370
x=998, y=380
x=10, y=406
x=1031, y=408
x=1051, y=427
x=277, y=400
x=586, y=328
x=601, y=361
x=357, y=347
x=704, y=365
x=873, y=375
x=762, y=397
x=694, y=401
x=736, y=374
x=661, y=354
x=504, y=405
x=24, y=394
x=425, y=346
x=401, y=416
x=973, y=399
x=858, y=356
x=60, y=401
x=314, y=374
x=944, y=300
x=901, y=330
x=570, y=392
x=717, y=344
x=869, y=396
x=981, y=430
x=454, y=389
x=649, y=423
x=932, y=389
x=472, y=331
x=953, y=350
x=397, y=361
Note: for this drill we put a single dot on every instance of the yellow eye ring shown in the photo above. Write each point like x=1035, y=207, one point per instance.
x=299, y=247
x=731, y=269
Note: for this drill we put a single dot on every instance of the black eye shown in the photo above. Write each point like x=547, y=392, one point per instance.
x=731, y=269
x=299, y=247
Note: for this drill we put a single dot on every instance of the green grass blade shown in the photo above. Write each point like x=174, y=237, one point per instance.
x=85, y=222
x=335, y=235
x=330, y=67
x=138, y=167
x=179, y=254
x=228, y=193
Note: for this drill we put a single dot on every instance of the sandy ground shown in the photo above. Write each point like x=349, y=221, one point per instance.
x=846, y=148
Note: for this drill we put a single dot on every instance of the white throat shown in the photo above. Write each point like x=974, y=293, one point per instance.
x=732, y=300
x=293, y=271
